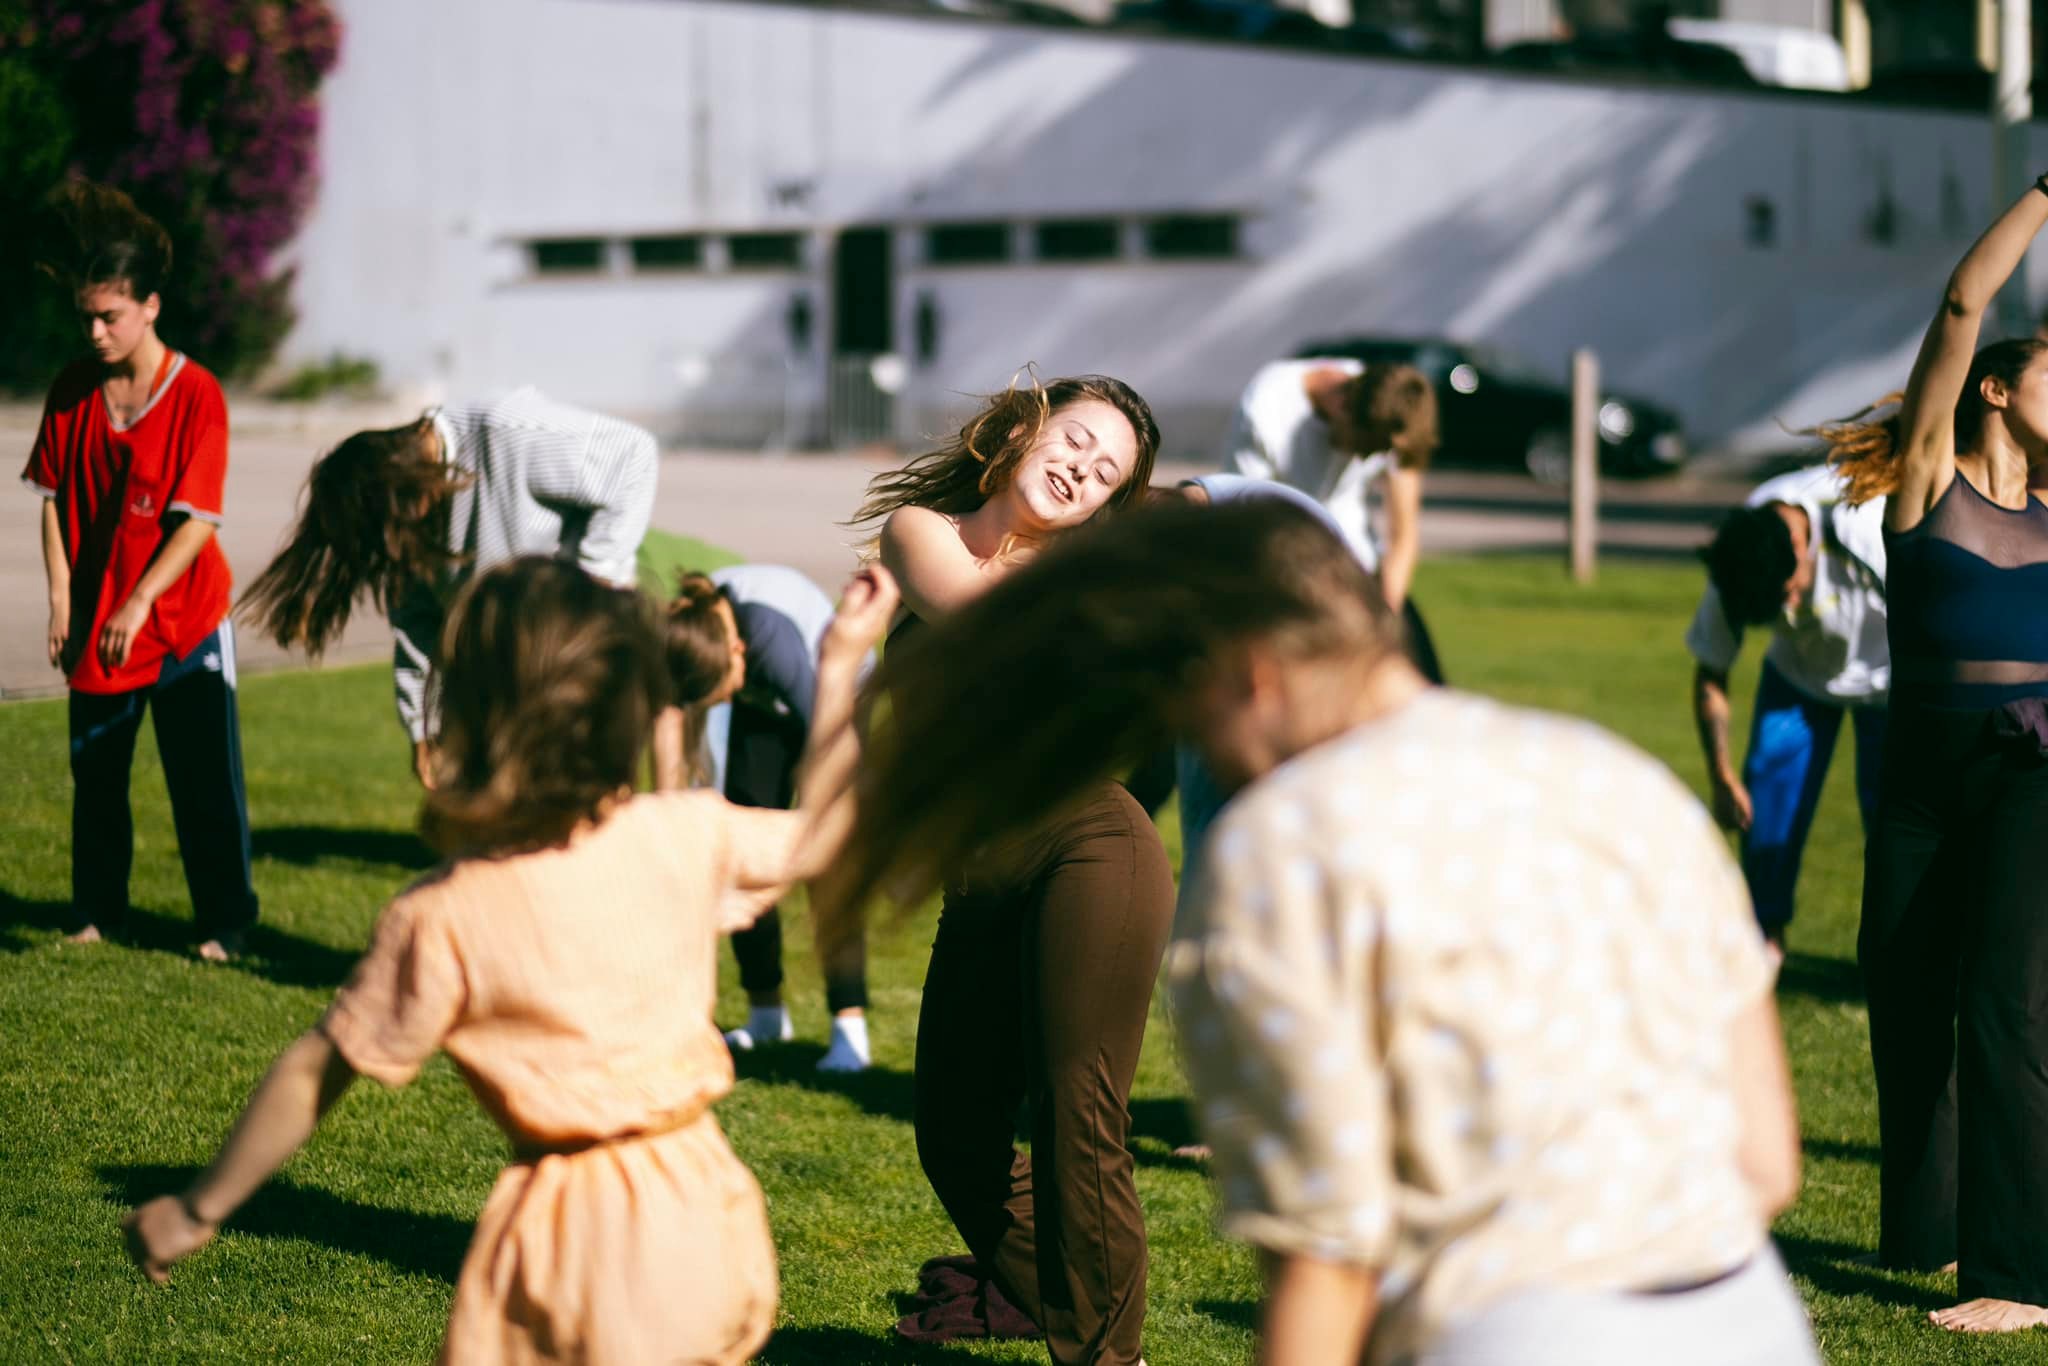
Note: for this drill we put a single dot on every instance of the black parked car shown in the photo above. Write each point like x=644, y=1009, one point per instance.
x=1498, y=410
x=1642, y=55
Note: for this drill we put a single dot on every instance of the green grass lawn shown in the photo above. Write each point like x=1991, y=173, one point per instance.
x=122, y=1066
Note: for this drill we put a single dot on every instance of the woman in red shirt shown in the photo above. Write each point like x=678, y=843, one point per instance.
x=130, y=462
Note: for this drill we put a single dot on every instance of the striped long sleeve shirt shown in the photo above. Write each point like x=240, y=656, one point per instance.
x=546, y=479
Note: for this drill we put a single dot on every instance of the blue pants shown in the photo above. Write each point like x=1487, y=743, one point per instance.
x=1790, y=743
x=1201, y=801
x=199, y=738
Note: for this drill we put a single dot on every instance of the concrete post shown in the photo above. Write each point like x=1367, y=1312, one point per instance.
x=1585, y=479
x=2012, y=107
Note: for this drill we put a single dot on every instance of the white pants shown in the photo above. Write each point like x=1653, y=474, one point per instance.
x=1752, y=1318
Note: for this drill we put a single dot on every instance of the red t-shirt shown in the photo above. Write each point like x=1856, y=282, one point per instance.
x=114, y=487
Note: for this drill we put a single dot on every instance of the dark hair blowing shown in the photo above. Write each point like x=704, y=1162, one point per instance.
x=375, y=523
x=1394, y=408
x=1070, y=669
x=547, y=691
x=982, y=457
x=1749, y=562
x=1865, y=447
x=94, y=235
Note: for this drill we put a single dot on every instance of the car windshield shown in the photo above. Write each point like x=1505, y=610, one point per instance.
x=1505, y=364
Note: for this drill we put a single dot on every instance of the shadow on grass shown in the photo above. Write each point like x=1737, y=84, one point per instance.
x=1237, y=1313
x=311, y=844
x=1831, y=981
x=420, y=1244
x=1157, y=1125
x=838, y=1346
x=1839, y=1269
x=1839, y=1150
x=20, y=916
x=881, y=1091
x=269, y=953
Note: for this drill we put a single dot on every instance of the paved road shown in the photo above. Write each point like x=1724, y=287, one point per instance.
x=772, y=508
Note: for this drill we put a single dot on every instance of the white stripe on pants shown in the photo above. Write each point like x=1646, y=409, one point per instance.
x=1753, y=1318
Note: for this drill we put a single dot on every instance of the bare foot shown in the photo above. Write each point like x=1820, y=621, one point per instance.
x=89, y=935
x=213, y=951
x=1195, y=1152
x=1990, y=1316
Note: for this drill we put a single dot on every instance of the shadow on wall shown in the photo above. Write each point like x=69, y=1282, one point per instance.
x=1607, y=218
x=1377, y=197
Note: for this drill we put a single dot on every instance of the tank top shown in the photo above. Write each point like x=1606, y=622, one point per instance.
x=1968, y=596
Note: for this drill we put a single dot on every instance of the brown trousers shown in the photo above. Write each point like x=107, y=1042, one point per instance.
x=1037, y=996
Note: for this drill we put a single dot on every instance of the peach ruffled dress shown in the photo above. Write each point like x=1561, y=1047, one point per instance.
x=573, y=989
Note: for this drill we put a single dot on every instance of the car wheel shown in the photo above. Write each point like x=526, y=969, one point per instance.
x=1549, y=456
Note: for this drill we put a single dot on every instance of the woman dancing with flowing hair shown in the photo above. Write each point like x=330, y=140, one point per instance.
x=1042, y=971
x=405, y=516
x=1496, y=1090
x=1955, y=921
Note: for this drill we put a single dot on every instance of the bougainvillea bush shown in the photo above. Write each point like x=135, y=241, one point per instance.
x=206, y=111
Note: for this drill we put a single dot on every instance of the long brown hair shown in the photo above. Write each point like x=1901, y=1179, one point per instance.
x=697, y=649
x=547, y=692
x=1393, y=408
x=94, y=235
x=375, y=523
x=1865, y=447
x=1117, y=622
x=981, y=458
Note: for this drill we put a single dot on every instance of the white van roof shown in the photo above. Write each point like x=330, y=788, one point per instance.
x=1775, y=54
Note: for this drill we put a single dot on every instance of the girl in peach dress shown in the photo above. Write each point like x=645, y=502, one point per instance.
x=565, y=959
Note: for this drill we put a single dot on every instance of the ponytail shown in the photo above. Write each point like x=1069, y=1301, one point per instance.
x=697, y=649
x=1864, y=449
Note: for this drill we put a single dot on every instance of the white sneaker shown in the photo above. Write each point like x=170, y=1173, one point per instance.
x=765, y=1024
x=849, y=1050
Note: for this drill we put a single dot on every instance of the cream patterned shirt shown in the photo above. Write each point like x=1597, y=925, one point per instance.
x=1455, y=999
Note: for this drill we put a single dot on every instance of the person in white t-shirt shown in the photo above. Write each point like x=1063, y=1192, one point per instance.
x=1800, y=560
x=1343, y=431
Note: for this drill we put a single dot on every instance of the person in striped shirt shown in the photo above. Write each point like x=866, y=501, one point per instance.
x=406, y=515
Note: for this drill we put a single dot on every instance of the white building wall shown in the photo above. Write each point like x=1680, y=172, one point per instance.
x=1375, y=196
x=1816, y=15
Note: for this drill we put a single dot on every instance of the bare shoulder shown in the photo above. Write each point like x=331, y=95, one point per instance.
x=917, y=527
x=918, y=542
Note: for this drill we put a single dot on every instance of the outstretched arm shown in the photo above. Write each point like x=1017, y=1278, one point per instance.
x=301, y=1086
x=1927, y=416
